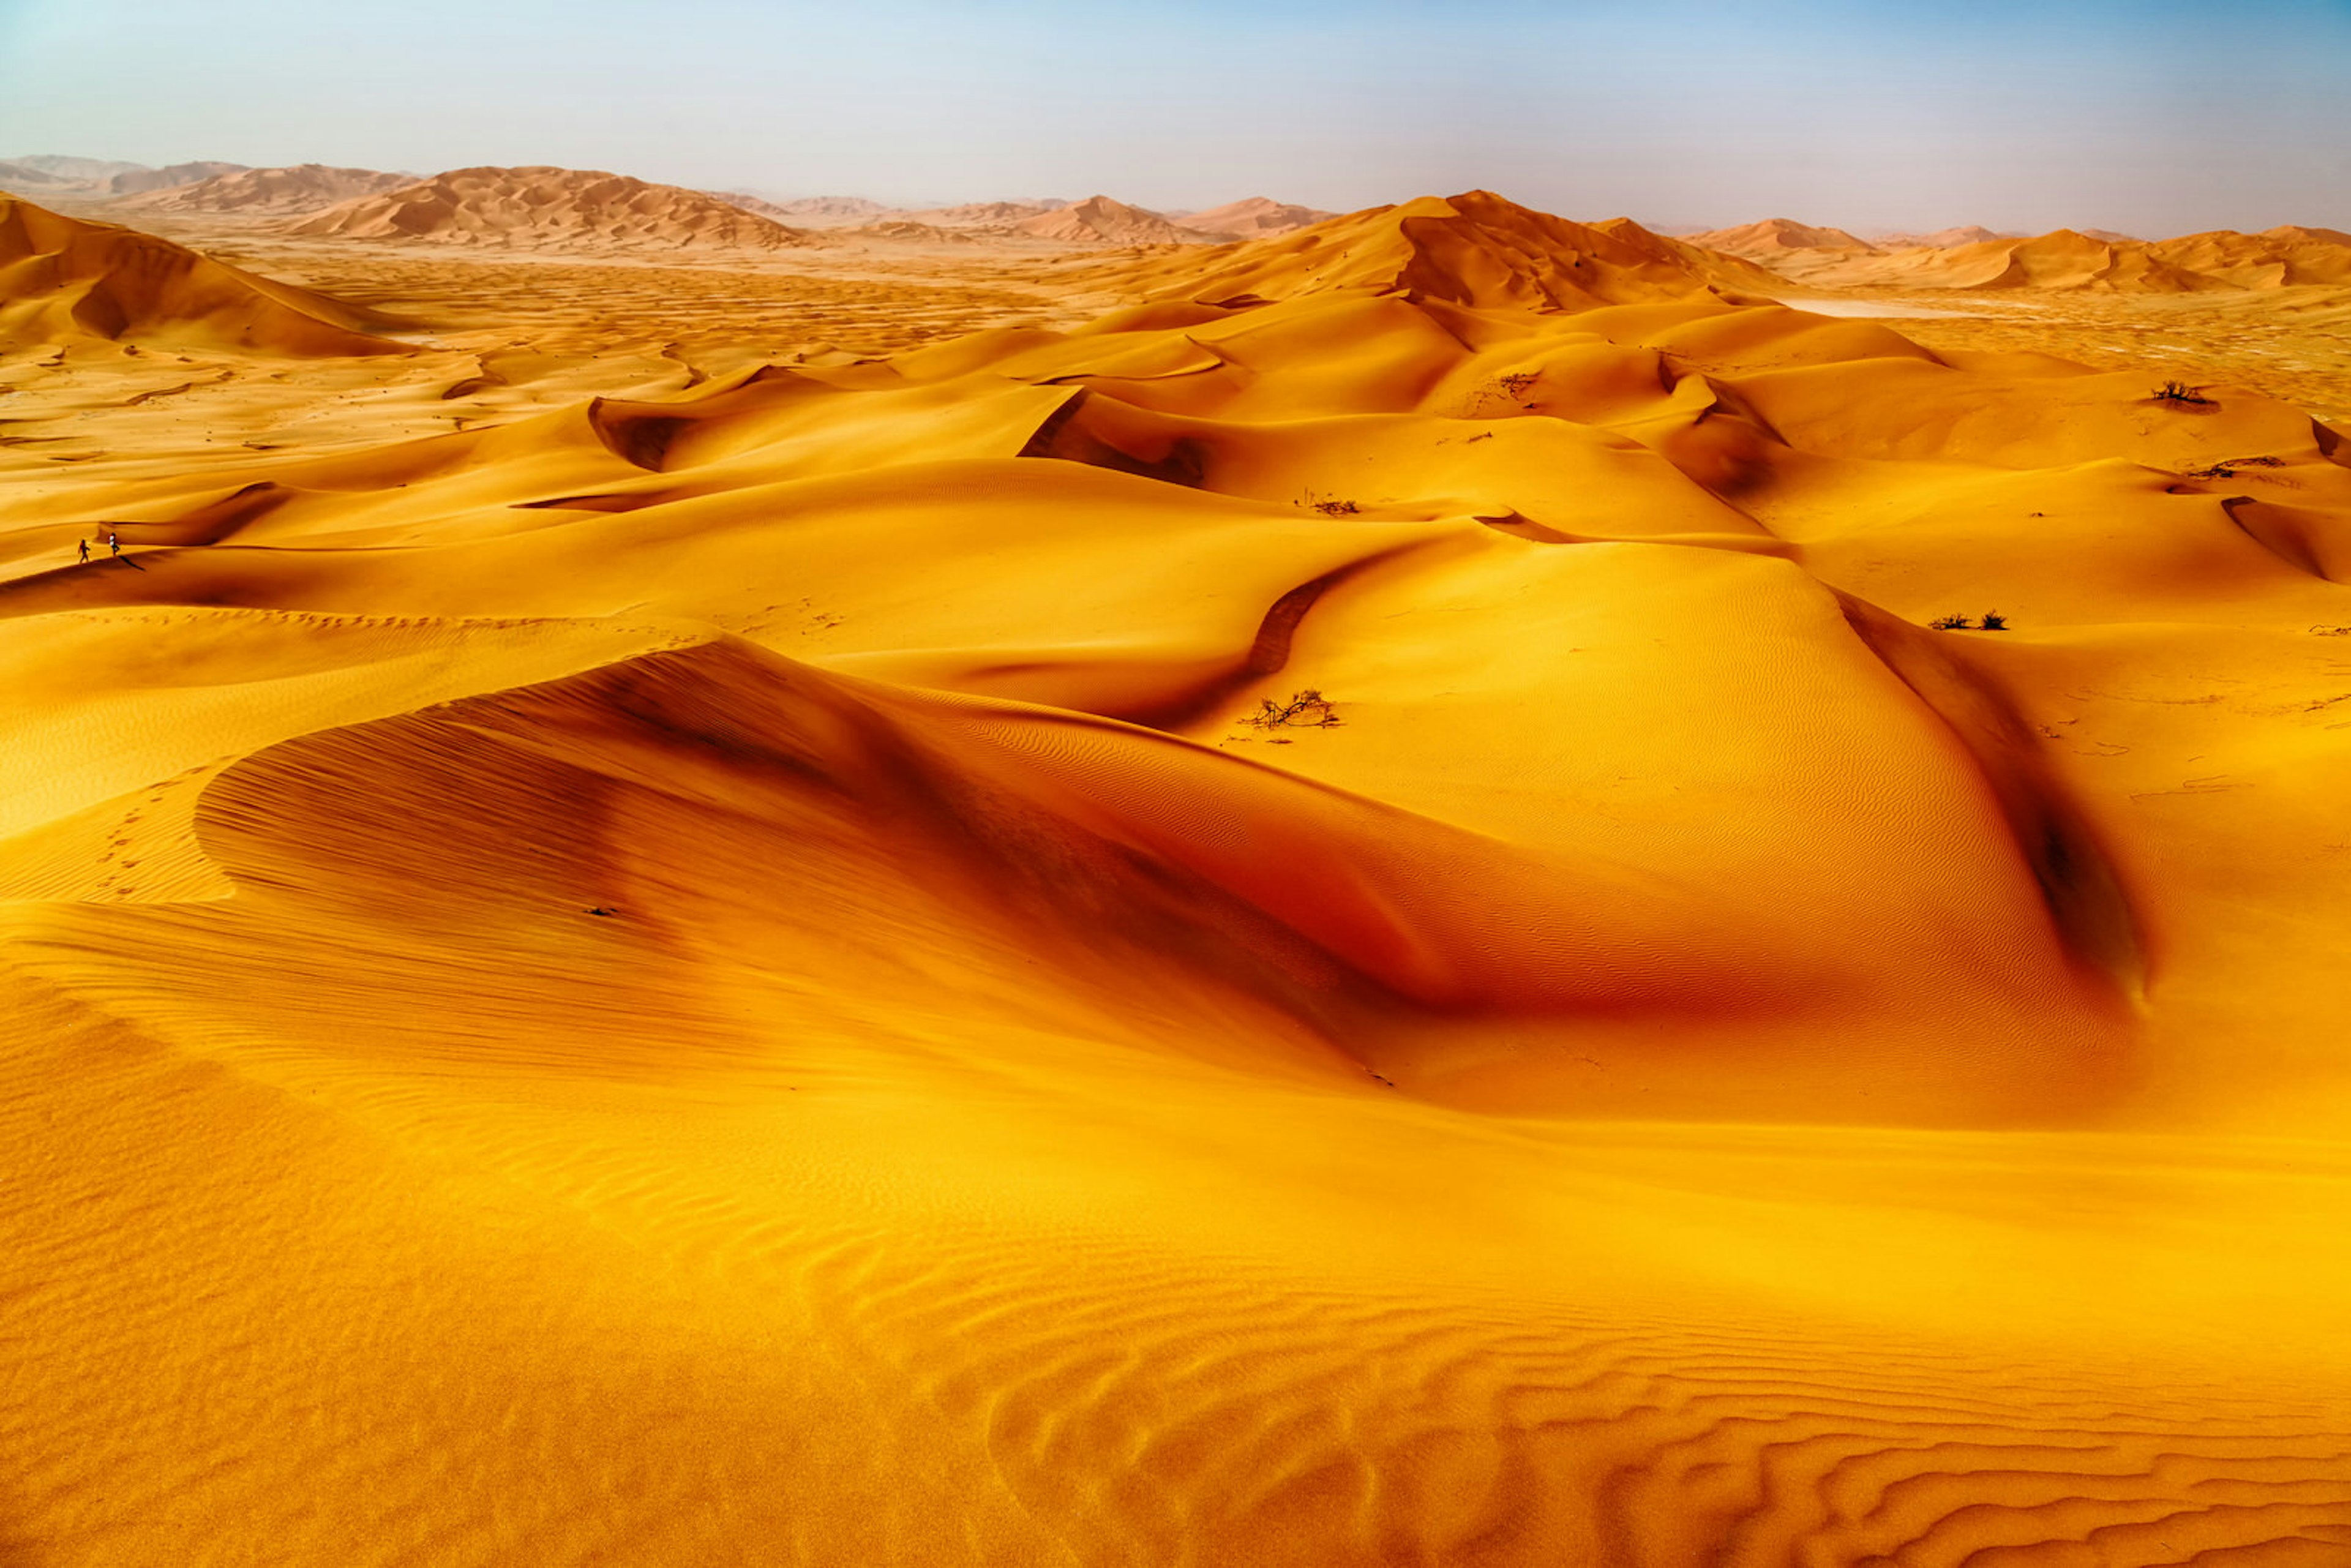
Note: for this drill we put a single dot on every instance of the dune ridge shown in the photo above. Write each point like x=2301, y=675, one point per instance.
x=298, y=188
x=549, y=208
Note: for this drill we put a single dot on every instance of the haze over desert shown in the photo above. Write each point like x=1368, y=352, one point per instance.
x=1017, y=805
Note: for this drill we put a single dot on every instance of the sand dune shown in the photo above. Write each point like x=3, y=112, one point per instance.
x=2216, y=262
x=1772, y=236
x=810, y=212
x=24, y=177
x=101, y=177
x=64, y=282
x=546, y=208
x=94, y=174
x=1252, y=217
x=300, y=188
x=984, y=214
x=2284, y=257
x=735, y=960
x=1941, y=239
x=907, y=230
x=1475, y=249
x=2060, y=260
x=1098, y=220
x=132, y=182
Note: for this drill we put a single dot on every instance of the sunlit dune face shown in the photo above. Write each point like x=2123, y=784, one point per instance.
x=1431, y=888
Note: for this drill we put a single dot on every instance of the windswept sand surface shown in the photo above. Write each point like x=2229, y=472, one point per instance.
x=632, y=943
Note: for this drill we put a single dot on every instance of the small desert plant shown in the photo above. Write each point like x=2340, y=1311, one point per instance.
x=1950, y=623
x=2178, y=392
x=2228, y=470
x=1309, y=709
x=1995, y=621
x=1337, y=508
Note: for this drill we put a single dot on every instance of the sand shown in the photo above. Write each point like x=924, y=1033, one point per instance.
x=1252, y=217
x=1101, y=221
x=659, y=921
x=537, y=207
x=279, y=192
x=1772, y=235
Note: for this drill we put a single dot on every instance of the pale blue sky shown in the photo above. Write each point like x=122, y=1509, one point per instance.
x=2150, y=116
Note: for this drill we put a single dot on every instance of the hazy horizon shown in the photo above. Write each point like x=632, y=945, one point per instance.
x=1868, y=117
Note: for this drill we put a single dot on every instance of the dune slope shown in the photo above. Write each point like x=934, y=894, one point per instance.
x=64, y=281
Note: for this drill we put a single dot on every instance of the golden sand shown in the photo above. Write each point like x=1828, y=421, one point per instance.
x=657, y=917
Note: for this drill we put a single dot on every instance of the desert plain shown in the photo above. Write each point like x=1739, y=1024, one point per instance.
x=1014, y=887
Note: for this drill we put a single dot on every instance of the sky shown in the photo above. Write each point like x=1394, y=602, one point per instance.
x=2148, y=116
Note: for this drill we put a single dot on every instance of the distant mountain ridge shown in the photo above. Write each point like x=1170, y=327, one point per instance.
x=1252, y=217
x=1941, y=239
x=134, y=182
x=540, y=207
x=1102, y=220
x=300, y=188
x=2099, y=260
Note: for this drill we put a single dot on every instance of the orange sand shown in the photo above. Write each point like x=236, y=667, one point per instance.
x=698, y=961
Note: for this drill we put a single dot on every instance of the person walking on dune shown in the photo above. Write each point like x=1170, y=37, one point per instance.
x=85, y=552
x=113, y=544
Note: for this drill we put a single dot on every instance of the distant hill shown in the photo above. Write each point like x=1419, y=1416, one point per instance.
x=92, y=174
x=37, y=180
x=1099, y=220
x=1476, y=249
x=2080, y=260
x=300, y=188
x=983, y=215
x=133, y=182
x=1772, y=236
x=812, y=212
x=1941, y=239
x=2290, y=256
x=1249, y=218
x=543, y=208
